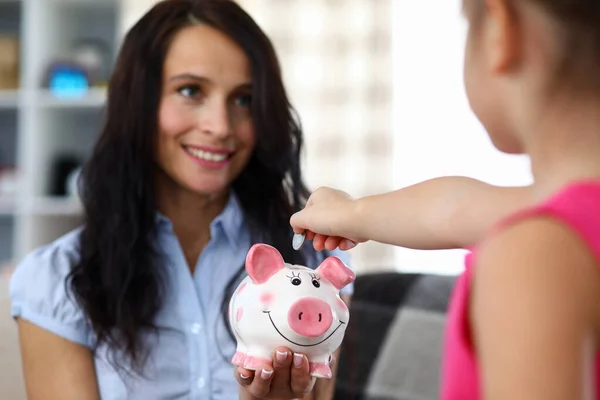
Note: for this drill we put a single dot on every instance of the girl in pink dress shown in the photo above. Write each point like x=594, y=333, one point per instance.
x=524, y=319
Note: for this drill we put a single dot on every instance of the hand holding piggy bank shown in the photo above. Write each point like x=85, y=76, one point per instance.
x=280, y=304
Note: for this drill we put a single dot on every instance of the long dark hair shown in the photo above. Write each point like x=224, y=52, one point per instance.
x=117, y=280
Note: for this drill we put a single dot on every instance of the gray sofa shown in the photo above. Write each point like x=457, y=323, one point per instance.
x=392, y=348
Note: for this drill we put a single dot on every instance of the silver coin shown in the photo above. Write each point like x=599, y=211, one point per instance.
x=298, y=240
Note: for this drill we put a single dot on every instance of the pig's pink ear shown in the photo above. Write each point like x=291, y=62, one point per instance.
x=336, y=272
x=262, y=262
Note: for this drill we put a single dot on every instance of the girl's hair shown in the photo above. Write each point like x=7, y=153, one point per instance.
x=118, y=279
x=577, y=34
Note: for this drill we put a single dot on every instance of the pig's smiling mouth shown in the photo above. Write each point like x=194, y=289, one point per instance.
x=300, y=344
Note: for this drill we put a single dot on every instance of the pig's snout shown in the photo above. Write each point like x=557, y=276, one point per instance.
x=310, y=317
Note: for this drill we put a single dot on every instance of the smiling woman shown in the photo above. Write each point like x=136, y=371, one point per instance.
x=197, y=161
x=207, y=90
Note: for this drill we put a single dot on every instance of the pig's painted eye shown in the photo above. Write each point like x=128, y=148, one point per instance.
x=295, y=279
x=315, y=281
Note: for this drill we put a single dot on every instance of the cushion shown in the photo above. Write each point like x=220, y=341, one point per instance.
x=392, y=347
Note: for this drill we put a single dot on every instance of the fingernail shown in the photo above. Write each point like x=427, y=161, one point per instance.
x=281, y=356
x=298, y=240
x=298, y=359
x=244, y=376
x=266, y=374
x=349, y=244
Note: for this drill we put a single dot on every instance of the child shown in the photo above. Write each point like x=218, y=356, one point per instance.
x=524, y=319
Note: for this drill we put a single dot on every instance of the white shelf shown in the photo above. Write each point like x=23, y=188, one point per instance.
x=49, y=128
x=94, y=98
x=12, y=99
x=42, y=206
x=7, y=206
x=55, y=206
x=9, y=98
x=92, y=4
x=87, y=3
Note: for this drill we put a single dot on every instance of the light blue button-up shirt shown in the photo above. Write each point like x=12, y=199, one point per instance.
x=191, y=358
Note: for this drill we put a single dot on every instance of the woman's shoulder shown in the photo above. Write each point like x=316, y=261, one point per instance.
x=39, y=289
x=54, y=259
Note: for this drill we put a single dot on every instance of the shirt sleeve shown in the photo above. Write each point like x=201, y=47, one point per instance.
x=38, y=291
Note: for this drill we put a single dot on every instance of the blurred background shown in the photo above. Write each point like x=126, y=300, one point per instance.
x=377, y=83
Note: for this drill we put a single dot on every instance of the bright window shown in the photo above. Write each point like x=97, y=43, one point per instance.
x=436, y=133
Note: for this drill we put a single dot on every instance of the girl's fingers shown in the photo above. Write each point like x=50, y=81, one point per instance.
x=332, y=242
x=347, y=244
x=319, y=242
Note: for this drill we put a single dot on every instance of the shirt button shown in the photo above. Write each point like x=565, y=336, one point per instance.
x=201, y=383
x=196, y=328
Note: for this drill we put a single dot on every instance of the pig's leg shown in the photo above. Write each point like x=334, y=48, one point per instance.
x=319, y=366
x=258, y=358
x=239, y=358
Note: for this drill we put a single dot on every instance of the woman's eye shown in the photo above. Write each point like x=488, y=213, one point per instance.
x=243, y=101
x=191, y=91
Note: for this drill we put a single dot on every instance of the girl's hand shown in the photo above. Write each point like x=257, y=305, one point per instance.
x=327, y=220
x=289, y=378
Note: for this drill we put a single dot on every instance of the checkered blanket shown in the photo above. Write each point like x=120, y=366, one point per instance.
x=392, y=347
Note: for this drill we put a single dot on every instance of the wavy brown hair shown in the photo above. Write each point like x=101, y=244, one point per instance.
x=117, y=280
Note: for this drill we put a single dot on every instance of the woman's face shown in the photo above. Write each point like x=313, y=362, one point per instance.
x=206, y=134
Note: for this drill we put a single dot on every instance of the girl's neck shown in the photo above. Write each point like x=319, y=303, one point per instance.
x=564, y=146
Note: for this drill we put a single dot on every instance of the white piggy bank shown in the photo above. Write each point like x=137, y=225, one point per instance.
x=280, y=304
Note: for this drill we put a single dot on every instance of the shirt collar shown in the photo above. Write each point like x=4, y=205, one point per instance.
x=230, y=221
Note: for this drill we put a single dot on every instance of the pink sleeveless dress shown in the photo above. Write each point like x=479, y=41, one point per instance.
x=577, y=206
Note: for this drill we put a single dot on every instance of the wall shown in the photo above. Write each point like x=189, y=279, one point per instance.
x=132, y=10
x=336, y=62
x=436, y=133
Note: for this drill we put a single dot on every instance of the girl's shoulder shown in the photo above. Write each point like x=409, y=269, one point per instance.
x=575, y=207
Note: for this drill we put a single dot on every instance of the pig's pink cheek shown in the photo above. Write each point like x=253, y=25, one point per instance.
x=266, y=298
x=240, y=312
x=242, y=288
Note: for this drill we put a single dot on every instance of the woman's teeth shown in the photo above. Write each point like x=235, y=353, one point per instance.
x=207, y=155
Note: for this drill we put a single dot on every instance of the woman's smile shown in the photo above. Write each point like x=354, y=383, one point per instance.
x=209, y=157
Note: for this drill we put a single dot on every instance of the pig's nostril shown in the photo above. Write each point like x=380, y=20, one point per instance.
x=310, y=317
